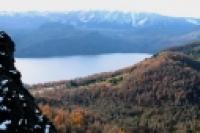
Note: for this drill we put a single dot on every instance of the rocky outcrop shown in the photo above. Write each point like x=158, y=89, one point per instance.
x=18, y=111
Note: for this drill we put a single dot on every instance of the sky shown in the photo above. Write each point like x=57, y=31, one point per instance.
x=182, y=8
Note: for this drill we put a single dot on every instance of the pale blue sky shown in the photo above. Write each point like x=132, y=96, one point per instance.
x=189, y=8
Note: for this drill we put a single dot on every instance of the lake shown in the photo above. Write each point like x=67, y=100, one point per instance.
x=40, y=70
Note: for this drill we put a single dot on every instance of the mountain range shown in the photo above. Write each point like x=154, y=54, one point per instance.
x=46, y=34
x=159, y=94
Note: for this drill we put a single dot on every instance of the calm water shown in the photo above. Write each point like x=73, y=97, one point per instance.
x=38, y=70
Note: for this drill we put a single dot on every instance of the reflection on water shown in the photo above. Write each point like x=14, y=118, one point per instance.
x=38, y=70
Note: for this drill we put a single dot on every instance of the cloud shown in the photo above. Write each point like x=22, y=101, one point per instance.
x=166, y=7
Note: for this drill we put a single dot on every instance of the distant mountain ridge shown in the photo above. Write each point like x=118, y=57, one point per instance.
x=96, y=32
x=93, y=18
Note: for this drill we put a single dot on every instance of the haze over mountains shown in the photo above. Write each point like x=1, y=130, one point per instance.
x=95, y=32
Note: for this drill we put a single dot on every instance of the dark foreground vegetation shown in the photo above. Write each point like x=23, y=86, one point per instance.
x=18, y=111
x=160, y=94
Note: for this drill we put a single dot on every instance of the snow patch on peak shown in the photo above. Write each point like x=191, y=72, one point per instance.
x=193, y=21
x=142, y=21
x=138, y=19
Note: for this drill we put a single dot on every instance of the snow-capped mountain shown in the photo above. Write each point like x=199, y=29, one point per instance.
x=95, y=32
x=193, y=21
x=95, y=19
x=120, y=19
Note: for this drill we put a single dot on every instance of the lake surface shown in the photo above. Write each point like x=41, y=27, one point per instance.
x=39, y=70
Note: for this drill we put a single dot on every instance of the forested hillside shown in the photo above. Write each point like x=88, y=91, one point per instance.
x=160, y=94
x=192, y=50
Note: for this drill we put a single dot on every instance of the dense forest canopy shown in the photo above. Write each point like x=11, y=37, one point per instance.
x=160, y=94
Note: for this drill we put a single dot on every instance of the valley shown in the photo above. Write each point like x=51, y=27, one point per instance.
x=99, y=66
x=160, y=94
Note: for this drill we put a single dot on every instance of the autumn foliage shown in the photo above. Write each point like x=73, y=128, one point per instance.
x=160, y=94
x=78, y=121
